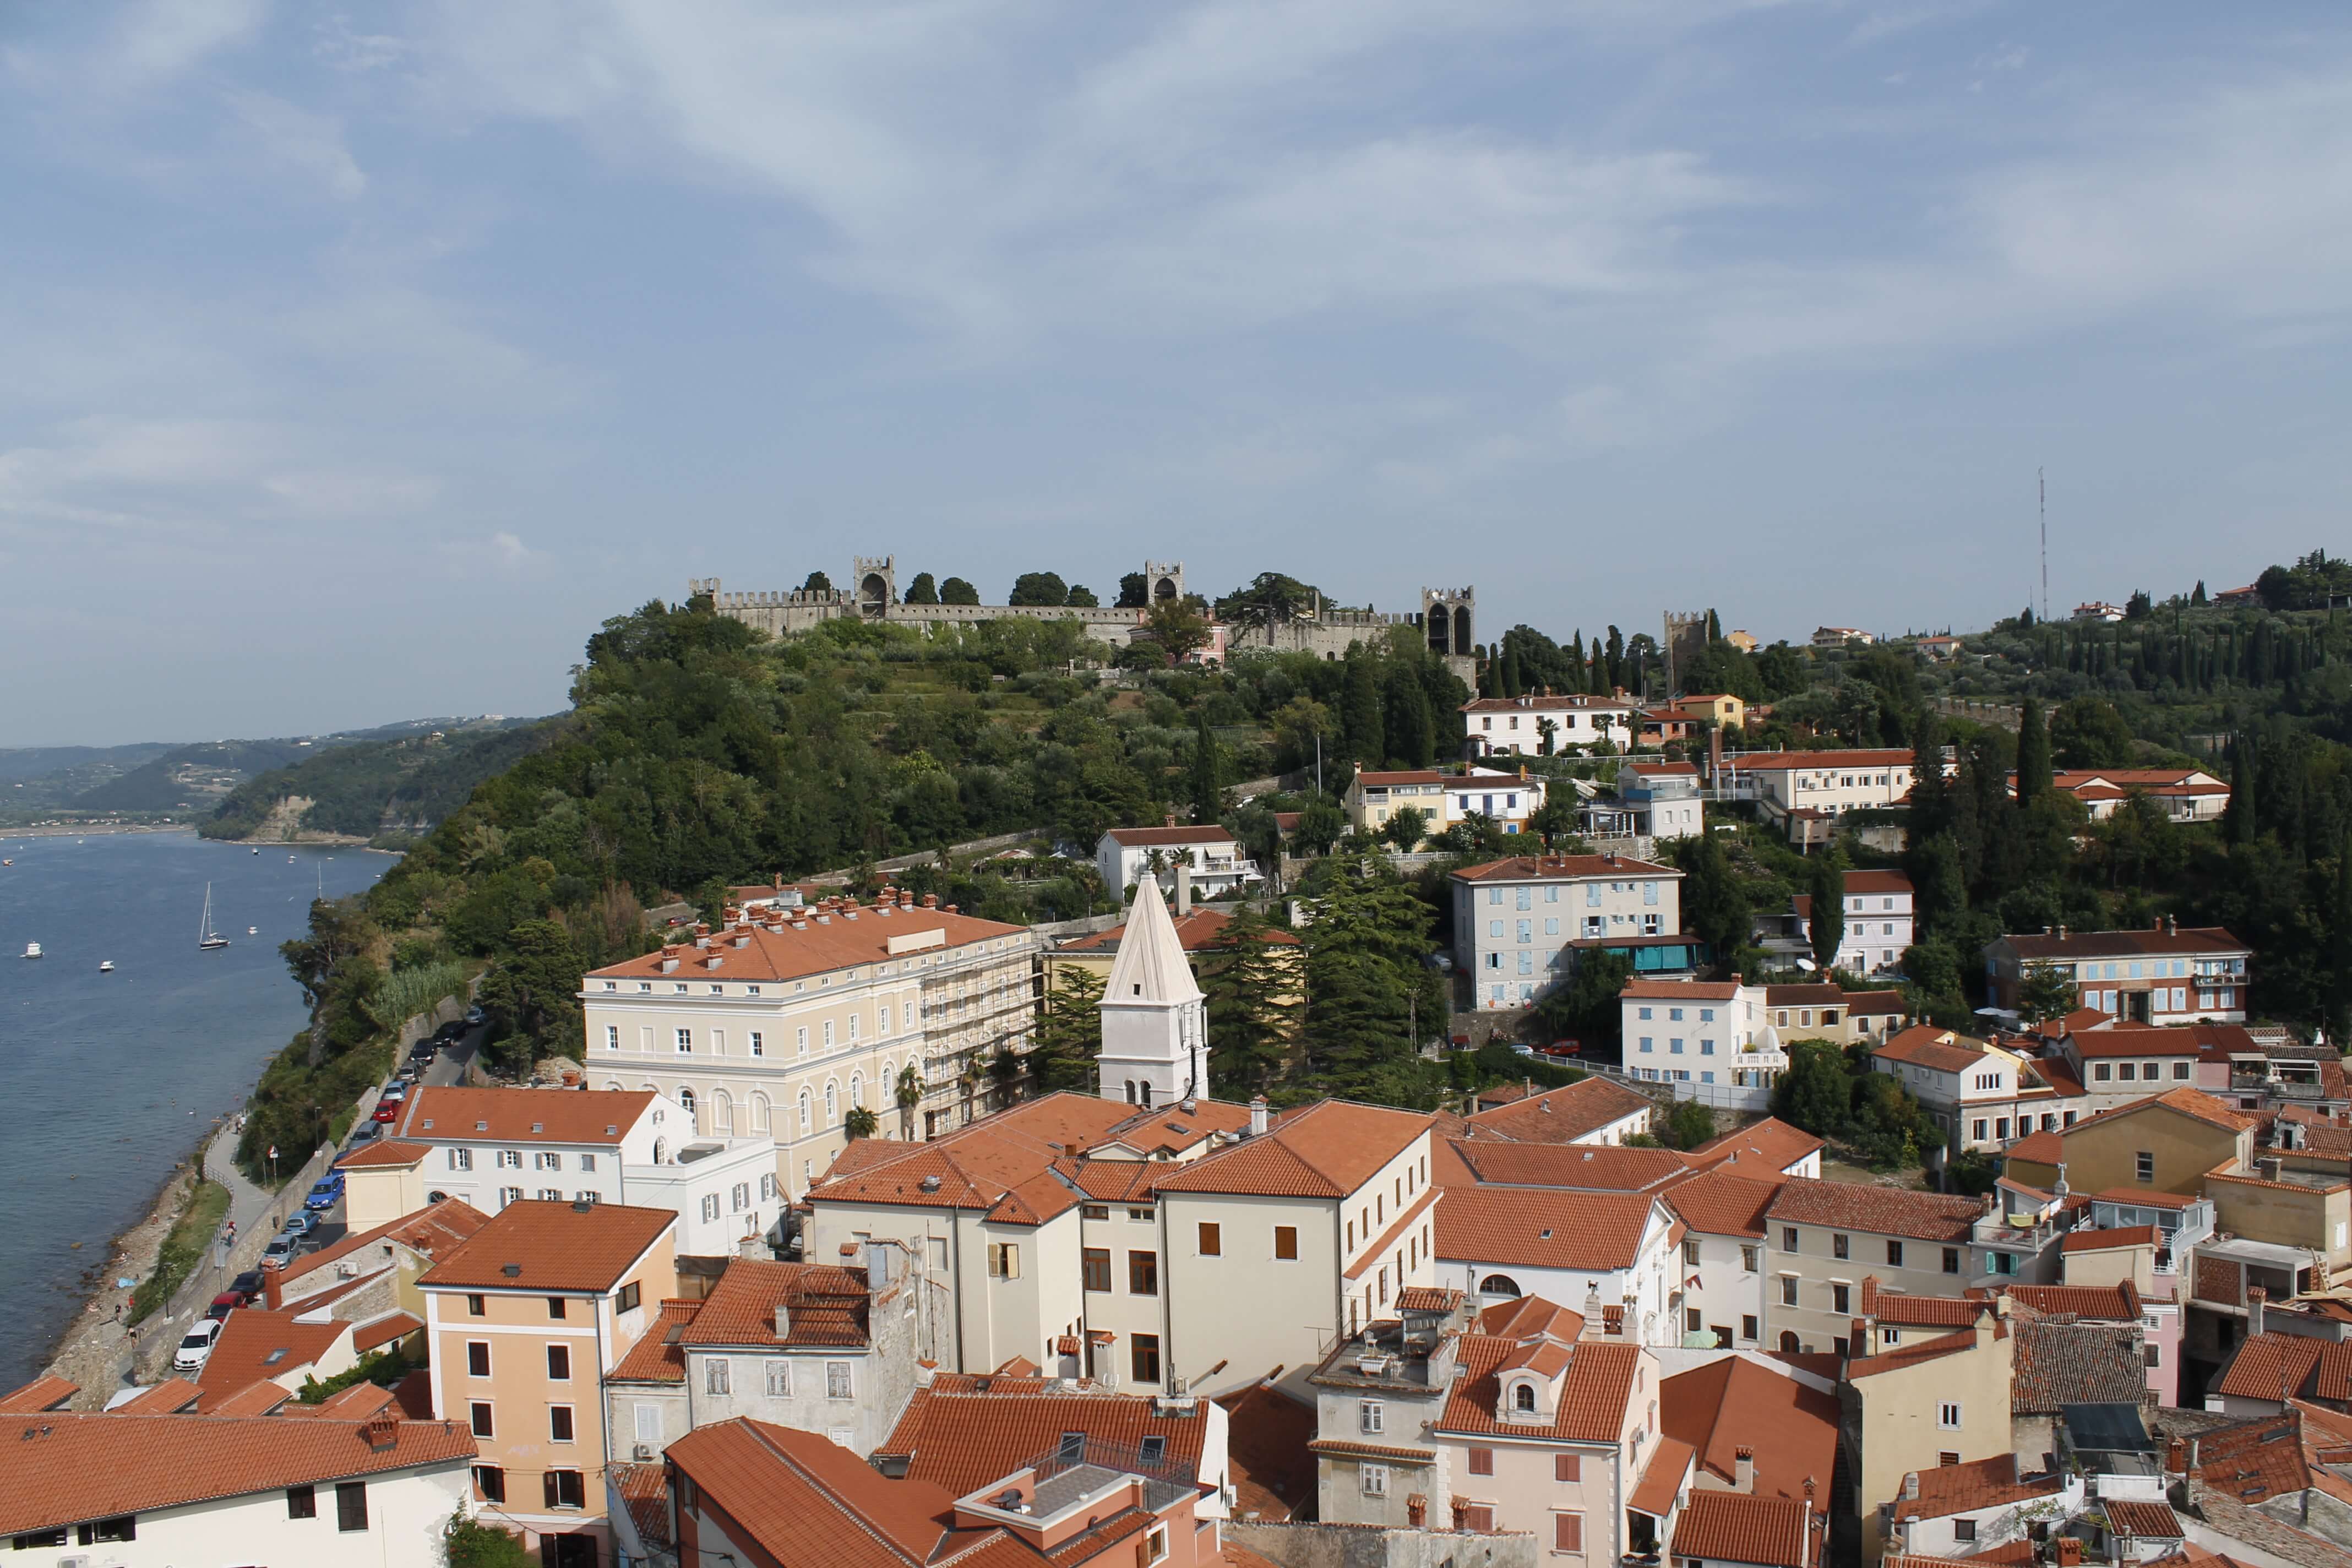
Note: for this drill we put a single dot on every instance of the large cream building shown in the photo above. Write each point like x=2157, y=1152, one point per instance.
x=781, y=1023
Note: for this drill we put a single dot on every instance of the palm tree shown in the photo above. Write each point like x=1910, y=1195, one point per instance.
x=909, y=1094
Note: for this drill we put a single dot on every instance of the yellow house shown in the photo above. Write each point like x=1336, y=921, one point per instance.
x=2164, y=1143
x=1924, y=1404
x=525, y=1322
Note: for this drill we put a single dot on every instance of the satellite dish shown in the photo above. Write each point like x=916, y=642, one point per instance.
x=1807, y=965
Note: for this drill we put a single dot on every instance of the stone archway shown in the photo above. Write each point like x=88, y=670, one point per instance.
x=1462, y=629
x=873, y=595
x=1163, y=590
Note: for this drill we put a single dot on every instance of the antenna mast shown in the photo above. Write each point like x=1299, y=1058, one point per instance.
x=2042, y=503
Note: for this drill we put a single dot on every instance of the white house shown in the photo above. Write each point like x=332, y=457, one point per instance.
x=1830, y=784
x=1218, y=864
x=186, y=1489
x=1699, y=1031
x=1878, y=915
x=1517, y=922
x=1720, y=1272
x=1444, y=799
x=1547, y=725
x=1663, y=799
x=1983, y=1095
x=1497, y=1244
x=492, y=1147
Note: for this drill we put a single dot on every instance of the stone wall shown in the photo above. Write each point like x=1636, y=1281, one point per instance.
x=1373, y=1546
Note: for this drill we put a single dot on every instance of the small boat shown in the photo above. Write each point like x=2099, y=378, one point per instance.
x=289, y=859
x=208, y=939
x=253, y=930
x=32, y=949
x=106, y=966
x=257, y=852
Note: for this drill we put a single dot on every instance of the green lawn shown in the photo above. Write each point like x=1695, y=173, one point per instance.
x=183, y=1248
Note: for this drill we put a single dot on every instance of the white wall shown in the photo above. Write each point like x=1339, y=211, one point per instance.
x=406, y=1512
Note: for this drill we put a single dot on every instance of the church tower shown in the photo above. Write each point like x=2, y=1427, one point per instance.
x=1155, y=1040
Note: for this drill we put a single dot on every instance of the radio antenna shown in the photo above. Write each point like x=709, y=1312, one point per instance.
x=2041, y=501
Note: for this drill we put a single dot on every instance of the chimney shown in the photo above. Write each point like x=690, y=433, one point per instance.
x=2256, y=1300
x=2061, y=933
x=1183, y=887
x=382, y=1431
x=2268, y=1167
x=2060, y=1189
x=1591, y=1311
x=2067, y=1552
x=271, y=1297
x=1743, y=1469
x=2172, y=925
x=1171, y=819
x=784, y=1322
x=1257, y=1116
x=878, y=1266
x=1991, y=1205
x=1911, y=1486
x=1858, y=1342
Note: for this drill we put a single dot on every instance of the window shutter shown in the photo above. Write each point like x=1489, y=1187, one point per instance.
x=1568, y=1532
x=1568, y=1467
x=548, y=1486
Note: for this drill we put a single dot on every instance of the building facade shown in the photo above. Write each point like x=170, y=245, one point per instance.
x=1547, y=725
x=1515, y=921
x=2165, y=974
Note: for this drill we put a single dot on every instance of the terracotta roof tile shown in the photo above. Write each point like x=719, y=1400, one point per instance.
x=656, y=1357
x=430, y=1231
x=380, y=1331
x=1200, y=930
x=555, y=1245
x=1720, y=1203
x=1909, y=1355
x=1594, y=1392
x=453, y=1115
x=2281, y=1367
x=1328, y=1148
x=2118, y=1302
x=803, y=1498
x=2100, y=1044
x=1900, y=1309
x=961, y=1442
x=2037, y=1149
x=1966, y=1488
x=1790, y=1428
x=815, y=944
x=1146, y=836
x=1563, y=1115
x=88, y=1466
x=1542, y=1227
x=2145, y=1521
x=258, y=1399
x=645, y=1488
x=2061, y=1363
x=2252, y=1460
x=1880, y=1211
x=1560, y=868
x=256, y=1343
x=389, y=1153
x=1641, y=990
x=1939, y=1051
x=1592, y=1167
x=44, y=1392
x=1782, y=762
x=2083, y=944
x=823, y=1305
x=1770, y=1146
x=1721, y=1526
x=173, y=1394
x=1662, y=1478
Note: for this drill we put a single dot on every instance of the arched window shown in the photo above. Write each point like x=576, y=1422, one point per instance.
x=685, y=1103
x=831, y=1111
x=856, y=1090
x=1130, y=1091
x=1499, y=1285
x=804, y=1112
x=1523, y=1397
x=1143, y=1095
x=722, y=1111
x=758, y=1113
x=1788, y=1342
x=612, y=1087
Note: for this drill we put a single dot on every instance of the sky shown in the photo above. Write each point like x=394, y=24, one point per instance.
x=356, y=361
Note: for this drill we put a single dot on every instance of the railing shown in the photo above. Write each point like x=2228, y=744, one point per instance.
x=1122, y=1458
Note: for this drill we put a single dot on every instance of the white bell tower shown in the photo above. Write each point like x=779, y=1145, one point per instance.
x=1155, y=1038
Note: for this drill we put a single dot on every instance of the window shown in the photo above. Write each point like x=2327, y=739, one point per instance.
x=301, y=1502
x=480, y=1411
x=1750, y=1258
x=779, y=1379
x=1143, y=1358
x=478, y=1358
x=1690, y=1251
x=559, y=1423
x=1481, y=1461
x=1376, y=1480
x=1143, y=1274
x=2144, y=1165
x=1788, y=1238
x=489, y=1483
x=714, y=1376
x=563, y=1489
x=461, y=1159
x=1568, y=1532
x=1748, y=1327
x=685, y=1041
x=1788, y=1289
x=2101, y=1072
x=587, y=1162
x=1094, y=1211
x=1951, y=1261
x=1286, y=1242
x=1964, y=1529
x=1947, y=1416
x=738, y=1197
x=1093, y=1266
x=1839, y=1298
x=1691, y=1319
x=1838, y=1245
x=1213, y=1244
x=476, y=1306
x=626, y=1301
x=758, y=1048
x=1894, y=1254
x=1371, y=1415
x=351, y=1506
x=1568, y=1467
x=710, y=1207
x=838, y=1383
x=559, y=1363
x=612, y=1036
x=1004, y=1260
x=555, y=1306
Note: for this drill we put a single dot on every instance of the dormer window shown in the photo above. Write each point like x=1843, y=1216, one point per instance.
x=1523, y=1398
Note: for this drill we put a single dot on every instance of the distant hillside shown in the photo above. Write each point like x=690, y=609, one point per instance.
x=376, y=788
x=39, y=778
x=191, y=777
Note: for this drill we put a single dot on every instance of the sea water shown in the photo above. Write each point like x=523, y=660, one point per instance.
x=107, y=1080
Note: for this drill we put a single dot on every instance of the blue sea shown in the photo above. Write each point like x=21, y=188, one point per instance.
x=107, y=1080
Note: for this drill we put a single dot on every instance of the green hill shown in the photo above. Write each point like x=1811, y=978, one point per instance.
x=376, y=788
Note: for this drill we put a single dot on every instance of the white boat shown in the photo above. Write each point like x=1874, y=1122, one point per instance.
x=106, y=966
x=253, y=930
x=32, y=949
x=208, y=939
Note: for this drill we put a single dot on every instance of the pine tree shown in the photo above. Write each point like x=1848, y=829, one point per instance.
x=2032, y=755
x=1253, y=983
x=1069, y=1033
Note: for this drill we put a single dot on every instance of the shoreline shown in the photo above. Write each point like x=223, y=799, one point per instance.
x=89, y=1350
x=97, y=829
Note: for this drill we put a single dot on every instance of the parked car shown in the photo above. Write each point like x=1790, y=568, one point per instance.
x=474, y=1017
x=197, y=1348
x=279, y=1252
x=387, y=1110
x=225, y=1303
x=320, y=1203
x=298, y=1224
x=366, y=1132
x=396, y=1090
x=247, y=1284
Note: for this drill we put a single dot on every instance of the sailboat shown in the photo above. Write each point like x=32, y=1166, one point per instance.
x=208, y=939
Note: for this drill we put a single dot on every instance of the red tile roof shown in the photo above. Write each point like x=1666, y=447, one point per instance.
x=1721, y=1202
x=1563, y=1115
x=2254, y=1460
x=2145, y=1520
x=47, y=1392
x=1966, y=1488
x=378, y=1331
x=2145, y=1041
x=1641, y=990
x=453, y=1115
x=817, y=942
x=1326, y=1150
x=1900, y=1357
x=803, y=1498
x=1267, y=1433
x=2282, y=1366
x=975, y=1166
x=1200, y=930
x=1939, y=1051
x=430, y=1231
x=2083, y=944
x=1662, y=1478
x=554, y=1246
x=71, y=1468
x=961, y=1442
x=2118, y=1302
x=1770, y=1145
x=1140, y=837
x=1556, y=868
x=2038, y=1149
x=2190, y=1102
x=2060, y=1362
x=1592, y=1167
x=160, y=1399
x=256, y=1343
x=1594, y=1391
x=1782, y=762
x=1731, y=1403
x=656, y=1357
x=388, y=1152
x=823, y=1305
x=1880, y=1211
x=2142, y=1197
x=1733, y=1527
x=1542, y=1227
x=1900, y=1309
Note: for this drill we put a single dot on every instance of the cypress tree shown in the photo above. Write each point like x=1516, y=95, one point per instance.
x=1359, y=713
x=2032, y=754
x=1207, y=773
x=1412, y=733
x=1827, y=921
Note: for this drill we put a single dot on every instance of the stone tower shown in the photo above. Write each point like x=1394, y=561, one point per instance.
x=1155, y=1035
x=1164, y=580
x=874, y=585
x=1445, y=619
x=1685, y=640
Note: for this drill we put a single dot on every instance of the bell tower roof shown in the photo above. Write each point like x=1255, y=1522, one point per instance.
x=1151, y=965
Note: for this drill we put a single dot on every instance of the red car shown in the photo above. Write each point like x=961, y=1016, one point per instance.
x=388, y=1112
x=225, y=1303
